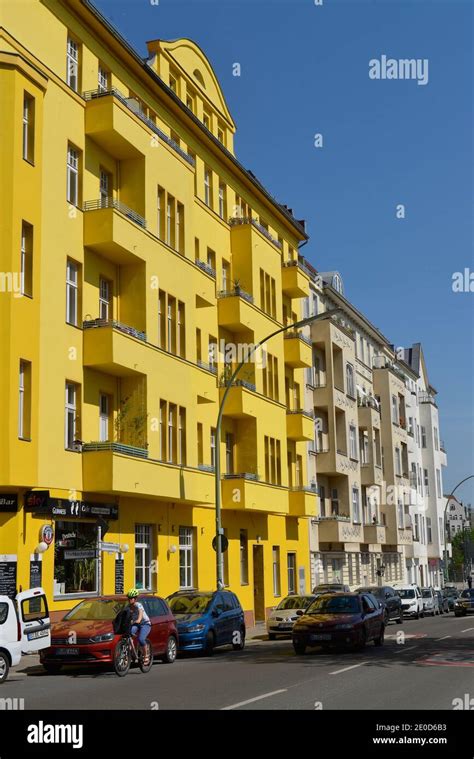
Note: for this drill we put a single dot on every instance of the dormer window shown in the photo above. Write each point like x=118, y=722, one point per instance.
x=337, y=283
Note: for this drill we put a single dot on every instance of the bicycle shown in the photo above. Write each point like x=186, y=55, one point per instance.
x=126, y=653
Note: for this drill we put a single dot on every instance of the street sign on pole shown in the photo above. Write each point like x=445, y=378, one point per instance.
x=109, y=547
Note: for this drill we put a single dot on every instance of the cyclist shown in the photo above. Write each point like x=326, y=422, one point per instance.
x=141, y=624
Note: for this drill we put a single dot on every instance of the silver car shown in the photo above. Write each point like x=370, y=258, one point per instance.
x=430, y=601
x=283, y=617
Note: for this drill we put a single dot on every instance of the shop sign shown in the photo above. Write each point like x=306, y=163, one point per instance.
x=8, y=502
x=62, y=507
x=85, y=553
x=37, y=500
x=8, y=567
x=36, y=566
x=119, y=576
x=46, y=534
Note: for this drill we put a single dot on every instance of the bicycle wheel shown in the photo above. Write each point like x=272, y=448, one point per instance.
x=122, y=657
x=145, y=657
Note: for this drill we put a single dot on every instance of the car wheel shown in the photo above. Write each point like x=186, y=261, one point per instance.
x=300, y=648
x=171, y=651
x=417, y=615
x=379, y=641
x=4, y=667
x=271, y=636
x=386, y=617
x=422, y=614
x=400, y=619
x=362, y=641
x=210, y=643
x=52, y=669
x=241, y=641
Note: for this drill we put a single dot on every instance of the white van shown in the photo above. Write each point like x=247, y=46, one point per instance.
x=25, y=627
x=412, y=601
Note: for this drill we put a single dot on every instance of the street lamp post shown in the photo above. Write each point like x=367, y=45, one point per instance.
x=251, y=351
x=446, y=573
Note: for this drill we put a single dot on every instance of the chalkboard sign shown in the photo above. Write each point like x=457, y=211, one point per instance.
x=35, y=573
x=119, y=581
x=8, y=566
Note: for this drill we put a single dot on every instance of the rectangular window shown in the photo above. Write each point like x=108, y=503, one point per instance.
x=75, y=558
x=28, y=128
x=24, y=401
x=162, y=422
x=229, y=453
x=395, y=418
x=244, y=558
x=276, y=570
x=105, y=185
x=222, y=200
x=350, y=380
x=182, y=436
x=105, y=299
x=436, y=438
x=26, y=259
x=429, y=530
x=355, y=505
x=160, y=200
x=172, y=437
x=213, y=446
x=104, y=417
x=352, y=442
x=70, y=431
x=171, y=325
x=398, y=462
x=200, y=448
x=186, y=557
x=423, y=437
x=208, y=187
x=72, y=194
x=401, y=517
x=322, y=501
x=72, y=64
x=291, y=572
x=426, y=481
x=72, y=292
x=162, y=319
x=334, y=502
x=143, y=574
x=180, y=227
x=103, y=79
x=438, y=483
x=225, y=275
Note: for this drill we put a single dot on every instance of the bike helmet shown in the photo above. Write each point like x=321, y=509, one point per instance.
x=133, y=593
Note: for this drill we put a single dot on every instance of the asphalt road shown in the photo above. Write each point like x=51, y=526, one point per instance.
x=431, y=667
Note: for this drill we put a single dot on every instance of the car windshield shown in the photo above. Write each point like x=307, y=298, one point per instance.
x=335, y=605
x=294, y=602
x=98, y=609
x=190, y=604
x=426, y=593
x=406, y=593
x=468, y=593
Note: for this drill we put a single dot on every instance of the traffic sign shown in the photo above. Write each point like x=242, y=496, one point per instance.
x=224, y=543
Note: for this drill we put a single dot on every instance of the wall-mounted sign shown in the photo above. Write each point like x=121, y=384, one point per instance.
x=8, y=502
x=85, y=553
x=36, y=566
x=8, y=567
x=37, y=500
x=46, y=534
x=61, y=507
x=119, y=576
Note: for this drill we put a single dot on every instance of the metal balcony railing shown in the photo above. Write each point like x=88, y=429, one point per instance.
x=305, y=267
x=208, y=367
x=128, y=450
x=236, y=293
x=97, y=205
x=205, y=267
x=252, y=476
x=97, y=323
x=238, y=383
x=206, y=467
x=134, y=107
x=302, y=411
x=294, y=334
x=304, y=488
x=242, y=220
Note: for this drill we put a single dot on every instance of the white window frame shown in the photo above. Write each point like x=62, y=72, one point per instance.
x=395, y=417
x=181, y=413
x=355, y=505
x=352, y=442
x=207, y=187
x=170, y=429
x=186, y=556
x=350, y=390
x=72, y=195
x=143, y=546
x=70, y=415
x=72, y=292
x=276, y=570
x=221, y=200
x=398, y=461
x=104, y=299
x=291, y=571
x=104, y=418
x=438, y=483
x=72, y=64
x=102, y=79
x=213, y=446
x=21, y=400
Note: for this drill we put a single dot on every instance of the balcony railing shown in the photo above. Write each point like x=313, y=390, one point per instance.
x=426, y=398
x=336, y=518
x=442, y=446
x=205, y=267
x=128, y=450
x=413, y=480
x=95, y=323
x=294, y=334
x=252, y=476
x=96, y=205
x=236, y=292
x=238, y=383
x=206, y=467
x=208, y=367
x=240, y=220
x=134, y=107
x=305, y=267
x=341, y=453
x=302, y=411
x=313, y=488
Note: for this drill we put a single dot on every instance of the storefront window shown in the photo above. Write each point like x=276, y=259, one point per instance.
x=75, y=558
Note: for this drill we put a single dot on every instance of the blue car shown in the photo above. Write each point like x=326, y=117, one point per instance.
x=208, y=619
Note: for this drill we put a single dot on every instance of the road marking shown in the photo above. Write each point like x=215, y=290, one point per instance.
x=338, y=671
x=252, y=700
x=467, y=629
x=444, y=638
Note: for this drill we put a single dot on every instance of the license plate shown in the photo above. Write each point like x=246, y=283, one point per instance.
x=67, y=652
x=38, y=634
x=284, y=626
x=321, y=636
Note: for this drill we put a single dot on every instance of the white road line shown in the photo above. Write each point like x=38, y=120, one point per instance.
x=444, y=638
x=467, y=629
x=251, y=700
x=338, y=671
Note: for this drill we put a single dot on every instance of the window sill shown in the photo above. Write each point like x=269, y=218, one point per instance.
x=24, y=439
x=72, y=596
x=72, y=450
x=30, y=163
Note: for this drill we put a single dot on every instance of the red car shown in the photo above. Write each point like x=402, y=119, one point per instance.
x=85, y=635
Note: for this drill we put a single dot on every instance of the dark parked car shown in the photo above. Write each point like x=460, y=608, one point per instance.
x=340, y=620
x=443, y=602
x=85, y=635
x=390, y=600
x=208, y=619
x=452, y=594
x=331, y=587
x=465, y=603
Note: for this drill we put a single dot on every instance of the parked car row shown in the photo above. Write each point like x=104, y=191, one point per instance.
x=24, y=627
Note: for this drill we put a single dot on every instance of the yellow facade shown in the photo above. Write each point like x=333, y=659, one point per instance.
x=119, y=176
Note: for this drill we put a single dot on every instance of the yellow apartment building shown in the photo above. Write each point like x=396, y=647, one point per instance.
x=138, y=258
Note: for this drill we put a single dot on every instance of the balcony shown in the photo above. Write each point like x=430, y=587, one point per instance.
x=302, y=501
x=375, y=534
x=297, y=350
x=299, y=424
x=241, y=400
x=114, y=230
x=331, y=462
x=427, y=398
x=294, y=280
x=370, y=474
x=106, y=468
x=368, y=416
x=235, y=311
x=338, y=529
x=116, y=123
x=250, y=221
x=114, y=348
x=244, y=491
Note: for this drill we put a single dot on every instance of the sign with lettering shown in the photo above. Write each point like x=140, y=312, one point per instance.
x=36, y=567
x=37, y=500
x=8, y=502
x=8, y=569
x=46, y=534
x=119, y=576
x=85, y=553
x=61, y=507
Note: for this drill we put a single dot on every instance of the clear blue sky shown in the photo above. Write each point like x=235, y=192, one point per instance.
x=305, y=71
